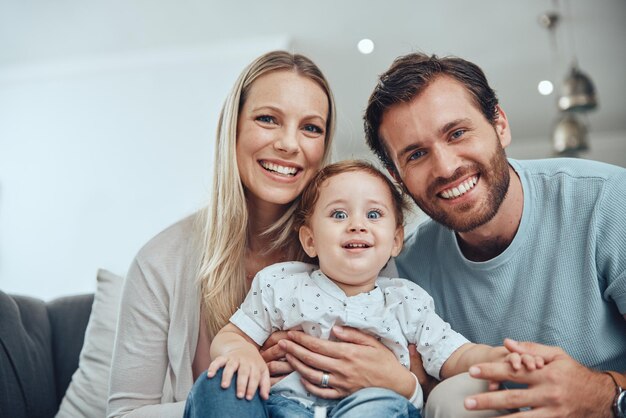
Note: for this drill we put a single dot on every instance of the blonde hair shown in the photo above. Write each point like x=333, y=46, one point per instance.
x=222, y=272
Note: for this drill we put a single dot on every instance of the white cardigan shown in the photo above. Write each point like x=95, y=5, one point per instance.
x=157, y=329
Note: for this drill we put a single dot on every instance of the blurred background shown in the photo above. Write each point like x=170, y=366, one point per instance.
x=108, y=108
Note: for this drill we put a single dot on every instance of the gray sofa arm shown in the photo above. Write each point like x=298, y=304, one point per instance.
x=39, y=348
x=68, y=320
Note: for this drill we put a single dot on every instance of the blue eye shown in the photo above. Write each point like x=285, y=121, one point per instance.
x=313, y=128
x=266, y=119
x=458, y=133
x=339, y=214
x=374, y=214
x=416, y=155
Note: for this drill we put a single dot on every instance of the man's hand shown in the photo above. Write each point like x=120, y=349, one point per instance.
x=356, y=362
x=274, y=356
x=562, y=388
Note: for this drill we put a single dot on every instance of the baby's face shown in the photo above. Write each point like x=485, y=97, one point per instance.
x=353, y=230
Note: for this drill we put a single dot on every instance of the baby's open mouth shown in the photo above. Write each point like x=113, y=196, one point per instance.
x=356, y=245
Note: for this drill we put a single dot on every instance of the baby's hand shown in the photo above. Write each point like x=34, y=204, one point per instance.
x=252, y=372
x=531, y=362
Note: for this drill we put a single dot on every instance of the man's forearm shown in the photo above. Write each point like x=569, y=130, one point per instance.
x=619, y=385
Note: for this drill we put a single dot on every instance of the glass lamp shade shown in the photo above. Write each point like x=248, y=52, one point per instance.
x=578, y=93
x=569, y=136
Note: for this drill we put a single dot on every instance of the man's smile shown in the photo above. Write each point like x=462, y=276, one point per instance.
x=459, y=190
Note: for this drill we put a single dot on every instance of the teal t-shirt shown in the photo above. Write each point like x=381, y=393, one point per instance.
x=562, y=280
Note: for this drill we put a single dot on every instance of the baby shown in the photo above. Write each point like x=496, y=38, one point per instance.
x=351, y=219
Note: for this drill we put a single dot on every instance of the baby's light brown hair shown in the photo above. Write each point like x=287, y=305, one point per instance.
x=311, y=193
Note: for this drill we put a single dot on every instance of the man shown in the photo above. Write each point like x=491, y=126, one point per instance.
x=530, y=250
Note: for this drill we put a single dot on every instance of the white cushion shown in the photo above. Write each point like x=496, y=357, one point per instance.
x=88, y=390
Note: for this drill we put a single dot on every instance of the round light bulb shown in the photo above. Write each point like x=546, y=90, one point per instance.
x=545, y=87
x=365, y=46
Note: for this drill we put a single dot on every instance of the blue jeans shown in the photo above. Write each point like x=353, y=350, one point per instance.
x=207, y=399
x=368, y=402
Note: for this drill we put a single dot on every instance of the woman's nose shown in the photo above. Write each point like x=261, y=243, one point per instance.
x=287, y=141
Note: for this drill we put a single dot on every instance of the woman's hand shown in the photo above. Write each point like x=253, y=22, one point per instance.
x=427, y=382
x=274, y=356
x=356, y=362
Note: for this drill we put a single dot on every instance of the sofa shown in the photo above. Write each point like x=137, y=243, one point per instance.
x=55, y=357
x=40, y=344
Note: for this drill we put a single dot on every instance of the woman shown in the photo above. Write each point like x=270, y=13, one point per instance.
x=274, y=133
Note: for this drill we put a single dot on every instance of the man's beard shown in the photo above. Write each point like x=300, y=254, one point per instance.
x=463, y=218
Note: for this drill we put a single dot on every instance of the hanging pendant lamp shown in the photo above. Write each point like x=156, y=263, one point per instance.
x=578, y=93
x=570, y=136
